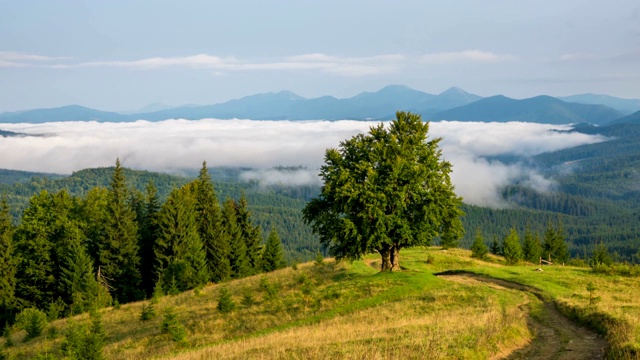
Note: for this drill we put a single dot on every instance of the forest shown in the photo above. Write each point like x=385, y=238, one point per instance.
x=116, y=244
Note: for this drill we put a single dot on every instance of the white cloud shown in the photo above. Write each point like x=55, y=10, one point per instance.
x=15, y=59
x=345, y=66
x=466, y=56
x=174, y=145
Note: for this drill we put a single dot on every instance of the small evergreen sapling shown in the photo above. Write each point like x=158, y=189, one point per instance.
x=225, y=302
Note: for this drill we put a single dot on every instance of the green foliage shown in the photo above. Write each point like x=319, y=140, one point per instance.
x=532, y=248
x=554, y=246
x=273, y=256
x=512, y=250
x=238, y=259
x=179, y=251
x=250, y=233
x=33, y=321
x=210, y=227
x=479, y=249
x=225, y=301
x=6, y=334
x=148, y=311
x=496, y=249
x=149, y=231
x=78, y=279
x=118, y=248
x=600, y=256
x=172, y=326
x=55, y=309
x=158, y=292
x=591, y=288
x=319, y=259
x=7, y=264
x=383, y=191
x=270, y=289
x=247, y=299
x=85, y=341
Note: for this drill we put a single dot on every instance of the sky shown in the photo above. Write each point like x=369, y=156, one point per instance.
x=178, y=145
x=124, y=55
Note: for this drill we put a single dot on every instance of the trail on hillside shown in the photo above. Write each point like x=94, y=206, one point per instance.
x=556, y=337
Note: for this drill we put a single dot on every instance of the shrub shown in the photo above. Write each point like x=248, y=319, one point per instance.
x=172, y=326
x=33, y=321
x=225, y=302
x=148, y=311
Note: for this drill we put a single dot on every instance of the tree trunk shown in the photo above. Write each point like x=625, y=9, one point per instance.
x=395, y=258
x=386, y=259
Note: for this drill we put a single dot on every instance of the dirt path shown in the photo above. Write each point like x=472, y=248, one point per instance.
x=556, y=337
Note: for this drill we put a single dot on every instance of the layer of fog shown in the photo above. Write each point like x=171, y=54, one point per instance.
x=176, y=145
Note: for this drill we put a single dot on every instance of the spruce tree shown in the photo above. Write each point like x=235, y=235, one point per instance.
x=148, y=234
x=273, y=256
x=179, y=251
x=554, y=246
x=512, y=250
x=251, y=234
x=78, y=280
x=118, y=250
x=238, y=250
x=36, y=283
x=531, y=249
x=495, y=246
x=7, y=265
x=210, y=227
x=479, y=249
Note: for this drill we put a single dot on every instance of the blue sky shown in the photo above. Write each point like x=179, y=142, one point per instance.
x=124, y=55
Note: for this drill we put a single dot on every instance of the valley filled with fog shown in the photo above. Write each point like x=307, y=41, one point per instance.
x=180, y=145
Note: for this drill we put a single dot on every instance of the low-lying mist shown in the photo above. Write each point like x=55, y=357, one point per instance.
x=177, y=145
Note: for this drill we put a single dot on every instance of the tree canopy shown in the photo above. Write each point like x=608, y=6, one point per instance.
x=385, y=190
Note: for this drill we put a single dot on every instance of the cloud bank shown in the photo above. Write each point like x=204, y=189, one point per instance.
x=175, y=145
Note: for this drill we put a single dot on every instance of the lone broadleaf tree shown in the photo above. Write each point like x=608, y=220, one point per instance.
x=383, y=191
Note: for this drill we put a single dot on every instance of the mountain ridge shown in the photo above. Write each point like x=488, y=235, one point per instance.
x=451, y=104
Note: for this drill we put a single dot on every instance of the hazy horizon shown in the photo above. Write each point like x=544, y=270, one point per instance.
x=114, y=56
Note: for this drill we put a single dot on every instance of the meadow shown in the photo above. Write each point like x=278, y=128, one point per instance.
x=328, y=310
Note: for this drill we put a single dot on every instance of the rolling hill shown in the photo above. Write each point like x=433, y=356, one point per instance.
x=65, y=113
x=539, y=109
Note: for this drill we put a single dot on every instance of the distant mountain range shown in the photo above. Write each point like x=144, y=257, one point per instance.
x=453, y=104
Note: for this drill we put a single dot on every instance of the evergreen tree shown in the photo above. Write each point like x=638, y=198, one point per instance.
x=273, y=256
x=7, y=265
x=210, y=227
x=179, y=251
x=36, y=283
x=554, y=246
x=479, y=249
x=531, y=249
x=148, y=234
x=238, y=250
x=600, y=256
x=94, y=216
x=495, y=246
x=511, y=248
x=118, y=250
x=78, y=280
x=250, y=234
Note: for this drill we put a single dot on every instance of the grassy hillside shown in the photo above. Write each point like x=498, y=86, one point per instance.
x=350, y=310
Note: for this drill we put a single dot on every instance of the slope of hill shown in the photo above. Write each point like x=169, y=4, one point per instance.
x=540, y=109
x=65, y=113
x=349, y=310
x=625, y=106
x=629, y=119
